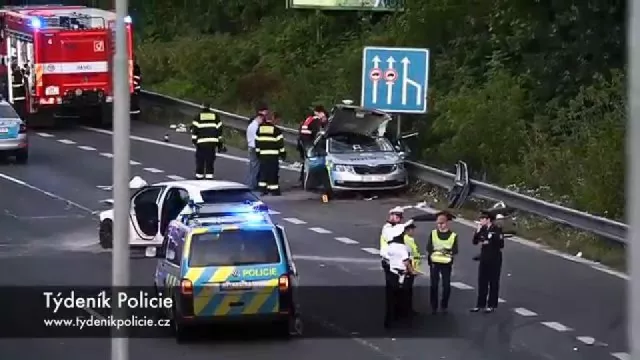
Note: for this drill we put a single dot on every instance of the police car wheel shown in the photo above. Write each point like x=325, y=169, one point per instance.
x=105, y=234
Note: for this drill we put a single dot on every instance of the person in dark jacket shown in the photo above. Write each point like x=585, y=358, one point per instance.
x=18, y=90
x=491, y=239
x=206, y=134
x=137, y=88
x=442, y=247
x=307, y=133
x=270, y=149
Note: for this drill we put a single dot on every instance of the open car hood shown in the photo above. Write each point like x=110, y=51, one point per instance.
x=355, y=120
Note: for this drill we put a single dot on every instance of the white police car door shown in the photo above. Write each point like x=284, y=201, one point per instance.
x=145, y=213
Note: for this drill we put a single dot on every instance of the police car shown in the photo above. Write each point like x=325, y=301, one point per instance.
x=13, y=134
x=227, y=265
x=152, y=207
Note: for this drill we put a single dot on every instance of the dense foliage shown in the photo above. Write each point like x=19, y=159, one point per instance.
x=527, y=92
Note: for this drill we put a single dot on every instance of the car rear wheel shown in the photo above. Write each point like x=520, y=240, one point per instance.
x=22, y=156
x=181, y=332
x=105, y=234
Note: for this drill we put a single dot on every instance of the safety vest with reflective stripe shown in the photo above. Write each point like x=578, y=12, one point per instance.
x=17, y=84
x=137, y=79
x=206, y=129
x=442, y=248
x=415, y=252
x=269, y=141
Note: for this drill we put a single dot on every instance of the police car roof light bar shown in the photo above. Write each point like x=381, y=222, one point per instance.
x=36, y=23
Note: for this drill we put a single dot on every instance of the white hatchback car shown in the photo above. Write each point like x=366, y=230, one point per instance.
x=13, y=134
x=153, y=207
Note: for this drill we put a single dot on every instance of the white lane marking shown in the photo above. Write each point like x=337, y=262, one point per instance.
x=588, y=340
x=66, y=141
x=367, y=260
x=371, y=251
x=461, y=286
x=501, y=301
x=274, y=212
x=107, y=155
x=153, y=170
x=346, y=240
x=556, y=326
x=49, y=194
x=87, y=148
x=182, y=147
x=44, y=135
x=176, y=177
x=295, y=221
x=621, y=356
x=468, y=223
x=131, y=162
x=524, y=312
x=320, y=230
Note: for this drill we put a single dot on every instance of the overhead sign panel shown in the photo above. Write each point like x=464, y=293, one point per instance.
x=359, y=5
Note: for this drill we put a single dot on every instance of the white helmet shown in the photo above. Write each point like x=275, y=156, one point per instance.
x=397, y=210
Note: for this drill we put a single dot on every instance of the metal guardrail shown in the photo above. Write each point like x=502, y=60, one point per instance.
x=601, y=226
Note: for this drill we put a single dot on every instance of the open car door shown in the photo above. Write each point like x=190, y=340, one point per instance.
x=314, y=161
x=144, y=213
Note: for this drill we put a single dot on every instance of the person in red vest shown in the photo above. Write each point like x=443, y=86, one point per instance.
x=308, y=131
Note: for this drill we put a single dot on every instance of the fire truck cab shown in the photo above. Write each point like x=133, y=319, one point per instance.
x=65, y=54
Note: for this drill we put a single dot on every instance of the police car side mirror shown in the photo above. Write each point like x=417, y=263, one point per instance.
x=171, y=255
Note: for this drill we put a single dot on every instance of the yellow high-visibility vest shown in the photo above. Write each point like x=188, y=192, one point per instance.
x=442, y=248
x=415, y=252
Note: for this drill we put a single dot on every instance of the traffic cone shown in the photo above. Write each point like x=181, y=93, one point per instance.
x=166, y=138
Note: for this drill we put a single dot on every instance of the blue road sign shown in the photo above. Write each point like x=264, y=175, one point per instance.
x=395, y=80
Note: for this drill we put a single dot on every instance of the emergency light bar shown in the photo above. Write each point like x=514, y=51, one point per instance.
x=36, y=23
x=253, y=212
x=128, y=20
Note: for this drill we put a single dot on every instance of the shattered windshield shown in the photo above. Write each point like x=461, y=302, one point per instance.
x=352, y=143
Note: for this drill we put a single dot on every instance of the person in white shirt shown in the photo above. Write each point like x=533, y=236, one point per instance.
x=254, y=165
x=395, y=218
x=399, y=259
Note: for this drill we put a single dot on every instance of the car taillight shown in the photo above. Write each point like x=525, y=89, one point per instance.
x=23, y=128
x=283, y=283
x=186, y=287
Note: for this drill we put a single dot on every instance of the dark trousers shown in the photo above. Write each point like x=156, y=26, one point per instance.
x=269, y=174
x=302, y=153
x=20, y=107
x=205, y=160
x=135, y=105
x=408, y=293
x=489, y=282
x=440, y=272
x=394, y=298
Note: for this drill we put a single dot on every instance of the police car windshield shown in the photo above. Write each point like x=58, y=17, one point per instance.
x=7, y=112
x=227, y=196
x=353, y=143
x=238, y=247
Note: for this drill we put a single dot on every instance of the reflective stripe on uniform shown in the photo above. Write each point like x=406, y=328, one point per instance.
x=268, y=152
x=269, y=138
x=207, y=116
x=200, y=125
x=207, y=140
x=442, y=248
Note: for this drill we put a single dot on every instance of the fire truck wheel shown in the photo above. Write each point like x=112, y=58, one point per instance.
x=22, y=156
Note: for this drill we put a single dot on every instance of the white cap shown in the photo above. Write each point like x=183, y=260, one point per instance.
x=137, y=182
x=397, y=210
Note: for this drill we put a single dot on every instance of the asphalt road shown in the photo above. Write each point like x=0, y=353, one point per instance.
x=553, y=308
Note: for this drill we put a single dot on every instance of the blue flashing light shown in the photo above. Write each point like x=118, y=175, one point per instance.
x=128, y=20
x=255, y=218
x=36, y=23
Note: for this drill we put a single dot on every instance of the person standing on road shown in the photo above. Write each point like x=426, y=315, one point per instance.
x=491, y=239
x=270, y=150
x=137, y=88
x=307, y=133
x=206, y=135
x=254, y=164
x=416, y=257
x=442, y=247
x=19, y=92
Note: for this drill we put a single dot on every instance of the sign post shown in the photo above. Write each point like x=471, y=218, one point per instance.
x=633, y=180
x=395, y=80
x=121, y=155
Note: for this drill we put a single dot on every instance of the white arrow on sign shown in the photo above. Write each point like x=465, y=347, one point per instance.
x=374, y=92
x=390, y=62
x=406, y=81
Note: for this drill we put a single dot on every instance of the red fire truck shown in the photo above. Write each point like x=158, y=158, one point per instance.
x=66, y=55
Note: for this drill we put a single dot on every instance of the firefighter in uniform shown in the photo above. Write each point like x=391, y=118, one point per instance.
x=307, y=134
x=491, y=238
x=270, y=149
x=18, y=89
x=137, y=87
x=206, y=134
x=442, y=247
